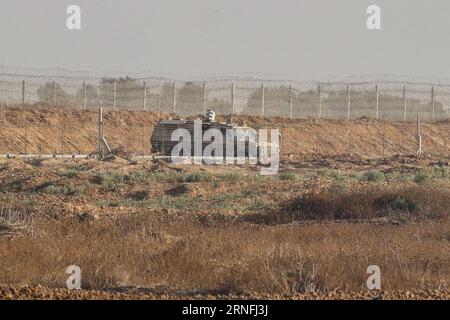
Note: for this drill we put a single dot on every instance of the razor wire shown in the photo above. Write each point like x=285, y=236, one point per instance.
x=383, y=97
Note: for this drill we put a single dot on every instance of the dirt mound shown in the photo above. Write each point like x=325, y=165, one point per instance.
x=182, y=189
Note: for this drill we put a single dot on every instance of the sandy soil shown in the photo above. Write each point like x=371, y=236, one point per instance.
x=43, y=293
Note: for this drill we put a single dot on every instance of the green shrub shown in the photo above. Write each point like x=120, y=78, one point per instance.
x=399, y=177
x=258, y=177
x=62, y=190
x=138, y=176
x=289, y=176
x=260, y=206
x=339, y=186
x=198, y=177
x=233, y=176
x=73, y=170
x=441, y=173
x=162, y=177
x=14, y=200
x=421, y=177
x=4, y=166
x=248, y=193
x=374, y=176
x=110, y=180
x=331, y=173
x=170, y=177
x=402, y=204
x=69, y=173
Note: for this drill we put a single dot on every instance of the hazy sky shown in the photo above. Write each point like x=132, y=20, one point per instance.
x=300, y=37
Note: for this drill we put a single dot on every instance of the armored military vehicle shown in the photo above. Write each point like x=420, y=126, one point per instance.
x=162, y=144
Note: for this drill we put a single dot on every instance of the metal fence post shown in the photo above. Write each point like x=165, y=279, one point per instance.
x=348, y=102
x=100, y=129
x=290, y=101
x=114, y=94
x=205, y=97
x=62, y=133
x=144, y=102
x=233, y=91
x=350, y=137
x=263, y=98
x=384, y=138
x=84, y=95
x=446, y=134
x=53, y=92
x=319, y=90
x=404, y=103
x=25, y=133
x=23, y=93
x=432, y=103
x=174, y=97
x=377, y=97
x=143, y=138
x=419, y=138
x=317, y=143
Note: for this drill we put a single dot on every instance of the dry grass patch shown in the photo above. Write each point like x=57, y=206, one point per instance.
x=185, y=255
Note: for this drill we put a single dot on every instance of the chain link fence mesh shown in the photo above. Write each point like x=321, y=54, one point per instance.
x=55, y=112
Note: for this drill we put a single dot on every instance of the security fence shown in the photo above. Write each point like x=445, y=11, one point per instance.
x=400, y=100
x=70, y=132
x=55, y=112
